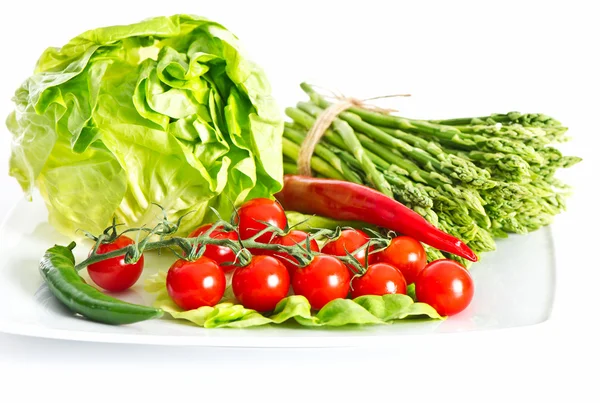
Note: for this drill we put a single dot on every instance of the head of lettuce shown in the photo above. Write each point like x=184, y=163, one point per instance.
x=167, y=111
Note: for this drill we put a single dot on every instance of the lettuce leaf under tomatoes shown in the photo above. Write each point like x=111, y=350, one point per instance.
x=365, y=310
x=168, y=110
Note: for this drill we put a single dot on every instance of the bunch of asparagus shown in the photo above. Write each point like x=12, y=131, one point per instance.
x=475, y=178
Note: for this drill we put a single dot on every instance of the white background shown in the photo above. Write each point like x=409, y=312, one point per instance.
x=456, y=59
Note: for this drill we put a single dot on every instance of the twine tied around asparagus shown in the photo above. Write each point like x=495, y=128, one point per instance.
x=325, y=119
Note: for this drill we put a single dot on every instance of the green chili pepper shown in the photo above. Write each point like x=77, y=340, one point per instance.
x=57, y=268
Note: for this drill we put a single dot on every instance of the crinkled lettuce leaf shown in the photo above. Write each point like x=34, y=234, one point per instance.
x=365, y=310
x=168, y=110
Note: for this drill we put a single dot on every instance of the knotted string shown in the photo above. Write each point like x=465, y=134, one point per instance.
x=325, y=119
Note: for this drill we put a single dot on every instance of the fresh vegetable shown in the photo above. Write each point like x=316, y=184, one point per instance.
x=379, y=279
x=406, y=254
x=57, y=268
x=323, y=280
x=195, y=284
x=291, y=151
x=349, y=201
x=308, y=222
x=294, y=237
x=261, y=284
x=114, y=274
x=222, y=255
x=445, y=285
x=474, y=178
x=255, y=215
x=168, y=110
x=349, y=241
x=366, y=310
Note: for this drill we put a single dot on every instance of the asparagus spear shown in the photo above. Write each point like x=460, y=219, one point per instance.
x=476, y=178
x=444, y=133
x=378, y=152
x=291, y=150
x=527, y=120
x=534, y=136
x=458, y=169
x=502, y=167
x=447, y=198
x=469, y=198
x=326, y=155
x=349, y=138
x=403, y=188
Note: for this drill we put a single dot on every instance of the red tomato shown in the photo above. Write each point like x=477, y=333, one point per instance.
x=195, y=284
x=322, y=281
x=114, y=274
x=294, y=237
x=349, y=240
x=261, y=284
x=380, y=279
x=445, y=285
x=406, y=254
x=222, y=255
x=251, y=213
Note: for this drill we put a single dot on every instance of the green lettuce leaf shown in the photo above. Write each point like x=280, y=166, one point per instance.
x=168, y=110
x=365, y=310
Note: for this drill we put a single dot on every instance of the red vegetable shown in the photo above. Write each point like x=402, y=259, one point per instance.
x=406, y=254
x=194, y=284
x=222, y=255
x=322, y=281
x=380, y=279
x=261, y=284
x=342, y=200
x=294, y=237
x=445, y=285
x=348, y=242
x=252, y=215
x=114, y=274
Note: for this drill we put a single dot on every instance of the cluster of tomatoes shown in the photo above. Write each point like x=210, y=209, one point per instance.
x=266, y=280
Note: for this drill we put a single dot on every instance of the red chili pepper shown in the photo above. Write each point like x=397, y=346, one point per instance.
x=342, y=200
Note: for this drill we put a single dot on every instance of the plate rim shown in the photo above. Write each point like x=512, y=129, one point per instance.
x=259, y=341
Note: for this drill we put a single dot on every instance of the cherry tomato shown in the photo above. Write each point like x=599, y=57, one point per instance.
x=114, y=274
x=194, y=284
x=294, y=237
x=251, y=213
x=445, y=285
x=222, y=255
x=261, y=284
x=380, y=279
x=322, y=281
x=406, y=254
x=349, y=240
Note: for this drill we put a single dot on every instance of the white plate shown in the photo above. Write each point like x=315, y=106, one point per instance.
x=514, y=286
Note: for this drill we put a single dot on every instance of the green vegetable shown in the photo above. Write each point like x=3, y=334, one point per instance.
x=474, y=178
x=57, y=268
x=291, y=150
x=366, y=310
x=168, y=110
x=352, y=143
x=326, y=155
x=308, y=223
